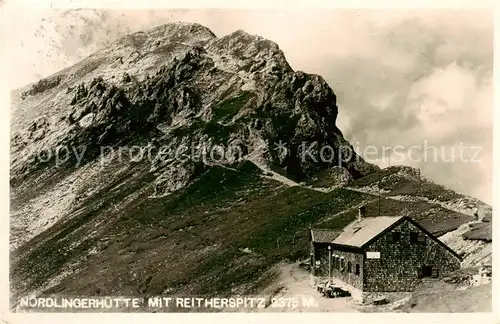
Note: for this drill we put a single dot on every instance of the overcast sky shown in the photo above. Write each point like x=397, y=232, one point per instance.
x=403, y=78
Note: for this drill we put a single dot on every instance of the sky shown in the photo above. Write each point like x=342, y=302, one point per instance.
x=414, y=87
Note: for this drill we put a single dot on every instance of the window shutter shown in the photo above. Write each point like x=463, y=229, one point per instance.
x=420, y=273
x=435, y=273
x=422, y=238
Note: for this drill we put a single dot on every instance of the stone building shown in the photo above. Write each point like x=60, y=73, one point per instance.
x=379, y=257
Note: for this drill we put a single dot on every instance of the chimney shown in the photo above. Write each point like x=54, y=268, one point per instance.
x=361, y=213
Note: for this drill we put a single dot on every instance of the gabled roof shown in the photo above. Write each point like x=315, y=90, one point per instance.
x=323, y=235
x=358, y=233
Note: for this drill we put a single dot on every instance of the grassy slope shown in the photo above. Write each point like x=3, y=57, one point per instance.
x=191, y=242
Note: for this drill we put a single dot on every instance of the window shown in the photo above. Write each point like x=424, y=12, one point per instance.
x=357, y=269
x=416, y=237
x=349, y=267
x=342, y=264
x=394, y=237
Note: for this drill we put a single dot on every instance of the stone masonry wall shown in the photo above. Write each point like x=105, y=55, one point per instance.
x=320, y=259
x=320, y=253
x=349, y=277
x=399, y=263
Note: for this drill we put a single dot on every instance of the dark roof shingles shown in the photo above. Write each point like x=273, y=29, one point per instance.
x=323, y=235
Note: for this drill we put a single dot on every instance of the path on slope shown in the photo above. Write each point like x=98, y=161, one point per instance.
x=270, y=174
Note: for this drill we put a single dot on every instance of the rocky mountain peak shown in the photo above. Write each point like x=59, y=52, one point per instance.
x=249, y=52
x=178, y=32
x=182, y=81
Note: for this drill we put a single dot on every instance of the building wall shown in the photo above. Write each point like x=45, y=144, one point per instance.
x=399, y=263
x=351, y=277
x=320, y=259
x=320, y=253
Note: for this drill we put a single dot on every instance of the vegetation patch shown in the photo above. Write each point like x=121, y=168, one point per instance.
x=228, y=108
x=218, y=132
x=188, y=130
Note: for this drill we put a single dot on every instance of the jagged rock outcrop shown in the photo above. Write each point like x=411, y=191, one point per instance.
x=175, y=176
